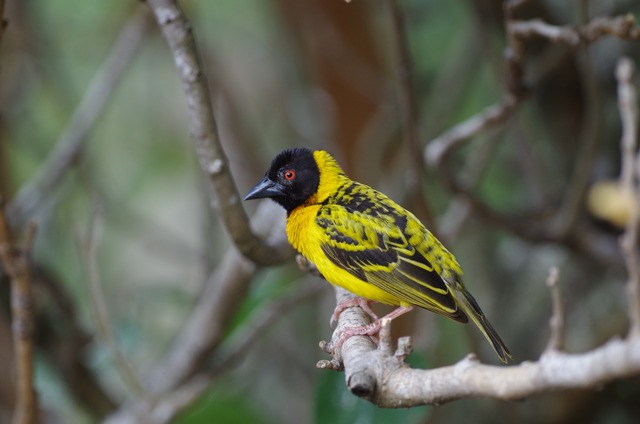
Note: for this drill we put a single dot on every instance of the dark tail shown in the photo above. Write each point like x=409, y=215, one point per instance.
x=469, y=305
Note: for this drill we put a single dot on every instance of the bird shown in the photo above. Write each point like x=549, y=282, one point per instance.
x=361, y=240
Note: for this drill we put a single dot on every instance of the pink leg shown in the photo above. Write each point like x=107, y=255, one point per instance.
x=363, y=303
x=370, y=330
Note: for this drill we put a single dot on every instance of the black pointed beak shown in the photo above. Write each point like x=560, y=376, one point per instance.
x=265, y=188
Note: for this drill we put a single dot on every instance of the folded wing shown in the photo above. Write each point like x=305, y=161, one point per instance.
x=375, y=246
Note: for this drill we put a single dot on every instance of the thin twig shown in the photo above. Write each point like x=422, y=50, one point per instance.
x=557, y=322
x=629, y=178
x=176, y=29
x=73, y=140
x=105, y=328
x=15, y=262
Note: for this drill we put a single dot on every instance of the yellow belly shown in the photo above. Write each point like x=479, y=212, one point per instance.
x=307, y=237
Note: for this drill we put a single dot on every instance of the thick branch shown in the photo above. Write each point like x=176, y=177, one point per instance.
x=177, y=31
x=387, y=381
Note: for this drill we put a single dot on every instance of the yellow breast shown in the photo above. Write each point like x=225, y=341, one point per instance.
x=307, y=238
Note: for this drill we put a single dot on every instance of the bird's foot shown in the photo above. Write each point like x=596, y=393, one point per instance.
x=370, y=330
x=363, y=303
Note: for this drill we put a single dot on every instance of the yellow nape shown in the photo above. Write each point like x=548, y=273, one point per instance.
x=331, y=176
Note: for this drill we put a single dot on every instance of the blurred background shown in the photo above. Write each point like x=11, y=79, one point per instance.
x=125, y=221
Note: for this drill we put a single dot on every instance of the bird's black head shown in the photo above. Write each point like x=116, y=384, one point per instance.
x=291, y=180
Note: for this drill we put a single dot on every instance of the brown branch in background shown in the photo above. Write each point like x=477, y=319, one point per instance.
x=105, y=329
x=227, y=202
x=409, y=115
x=557, y=321
x=73, y=140
x=15, y=262
x=629, y=180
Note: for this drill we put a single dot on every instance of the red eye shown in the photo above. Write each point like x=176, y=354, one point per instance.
x=289, y=174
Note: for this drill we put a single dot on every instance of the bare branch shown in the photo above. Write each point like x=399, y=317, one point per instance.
x=556, y=323
x=71, y=143
x=387, y=381
x=177, y=31
x=14, y=261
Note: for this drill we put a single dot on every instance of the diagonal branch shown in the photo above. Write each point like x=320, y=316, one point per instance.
x=177, y=32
